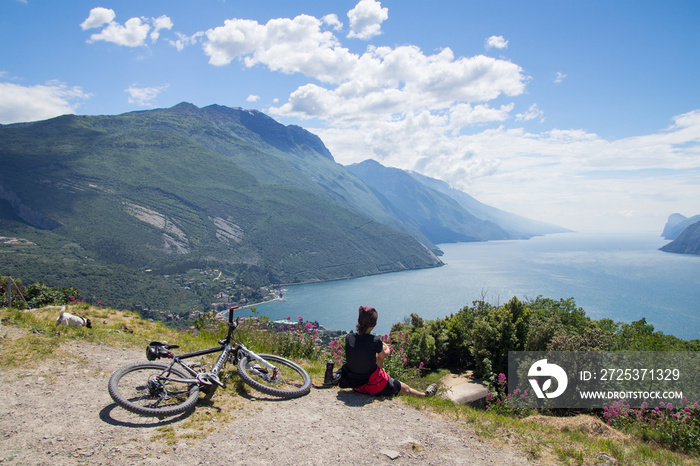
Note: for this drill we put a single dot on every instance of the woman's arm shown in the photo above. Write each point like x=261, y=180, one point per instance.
x=383, y=354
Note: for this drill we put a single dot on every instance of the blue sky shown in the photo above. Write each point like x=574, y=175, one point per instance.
x=581, y=113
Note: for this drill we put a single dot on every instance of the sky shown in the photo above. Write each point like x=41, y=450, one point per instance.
x=585, y=114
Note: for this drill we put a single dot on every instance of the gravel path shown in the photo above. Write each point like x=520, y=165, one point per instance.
x=60, y=413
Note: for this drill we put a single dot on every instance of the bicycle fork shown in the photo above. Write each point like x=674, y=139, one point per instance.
x=268, y=373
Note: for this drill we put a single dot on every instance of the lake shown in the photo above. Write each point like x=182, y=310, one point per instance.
x=622, y=276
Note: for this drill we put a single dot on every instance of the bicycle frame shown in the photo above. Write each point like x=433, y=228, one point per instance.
x=169, y=390
x=227, y=350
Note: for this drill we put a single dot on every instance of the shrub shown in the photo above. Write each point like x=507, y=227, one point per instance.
x=40, y=294
x=499, y=401
x=677, y=427
x=298, y=341
x=397, y=364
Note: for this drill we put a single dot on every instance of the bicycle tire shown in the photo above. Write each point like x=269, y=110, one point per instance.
x=129, y=388
x=292, y=382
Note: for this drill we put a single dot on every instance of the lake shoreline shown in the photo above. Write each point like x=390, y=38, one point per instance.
x=621, y=276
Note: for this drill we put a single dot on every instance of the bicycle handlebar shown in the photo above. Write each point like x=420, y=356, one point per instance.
x=230, y=314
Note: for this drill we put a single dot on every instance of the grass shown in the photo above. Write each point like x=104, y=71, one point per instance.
x=545, y=444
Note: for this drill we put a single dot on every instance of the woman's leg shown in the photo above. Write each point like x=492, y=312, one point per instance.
x=406, y=390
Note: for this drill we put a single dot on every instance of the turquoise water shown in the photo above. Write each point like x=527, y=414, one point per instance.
x=619, y=276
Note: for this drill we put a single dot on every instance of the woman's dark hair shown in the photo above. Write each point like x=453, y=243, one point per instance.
x=366, y=320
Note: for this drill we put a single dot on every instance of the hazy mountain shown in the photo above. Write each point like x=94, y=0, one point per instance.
x=688, y=242
x=676, y=224
x=182, y=188
x=436, y=215
x=441, y=213
x=515, y=225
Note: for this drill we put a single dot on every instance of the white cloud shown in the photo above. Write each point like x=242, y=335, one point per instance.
x=98, y=17
x=162, y=22
x=184, y=40
x=333, y=21
x=384, y=82
x=132, y=34
x=532, y=113
x=379, y=84
x=366, y=19
x=559, y=77
x=496, y=42
x=252, y=98
x=143, y=96
x=296, y=45
x=39, y=102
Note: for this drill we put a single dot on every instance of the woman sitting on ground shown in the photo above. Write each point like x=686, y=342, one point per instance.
x=364, y=355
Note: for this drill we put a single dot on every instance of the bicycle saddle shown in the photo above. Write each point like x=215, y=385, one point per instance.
x=156, y=350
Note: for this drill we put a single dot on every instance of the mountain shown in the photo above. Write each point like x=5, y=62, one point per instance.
x=688, y=242
x=676, y=224
x=435, y=215
x=96, y=197
x=440, y=213
x=514, y=225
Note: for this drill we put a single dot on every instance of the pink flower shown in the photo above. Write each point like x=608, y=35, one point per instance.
x=501, y=379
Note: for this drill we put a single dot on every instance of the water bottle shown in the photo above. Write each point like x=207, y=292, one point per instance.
x=328, y=377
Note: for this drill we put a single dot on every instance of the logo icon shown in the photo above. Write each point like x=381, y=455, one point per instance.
x=542, y=368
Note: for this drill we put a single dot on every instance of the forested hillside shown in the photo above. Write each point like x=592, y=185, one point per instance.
x=112, y=203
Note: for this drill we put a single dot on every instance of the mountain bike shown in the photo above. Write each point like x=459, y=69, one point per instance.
x=156, y=389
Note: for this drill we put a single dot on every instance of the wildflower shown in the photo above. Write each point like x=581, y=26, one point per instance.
x=501, y=379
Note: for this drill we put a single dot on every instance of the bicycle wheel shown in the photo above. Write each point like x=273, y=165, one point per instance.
x=291, y=381
x=140, y=388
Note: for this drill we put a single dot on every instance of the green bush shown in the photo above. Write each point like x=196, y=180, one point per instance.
x=675, y=427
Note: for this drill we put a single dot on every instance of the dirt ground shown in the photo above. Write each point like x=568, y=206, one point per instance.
x=60, y=413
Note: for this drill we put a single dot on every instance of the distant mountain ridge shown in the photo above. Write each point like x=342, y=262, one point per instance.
x=215, y=187
x=685, y=233
x=516, y=226
x=676, y=224
x=435, y=215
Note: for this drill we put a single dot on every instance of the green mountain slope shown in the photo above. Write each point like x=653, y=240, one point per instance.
x=181, y=188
